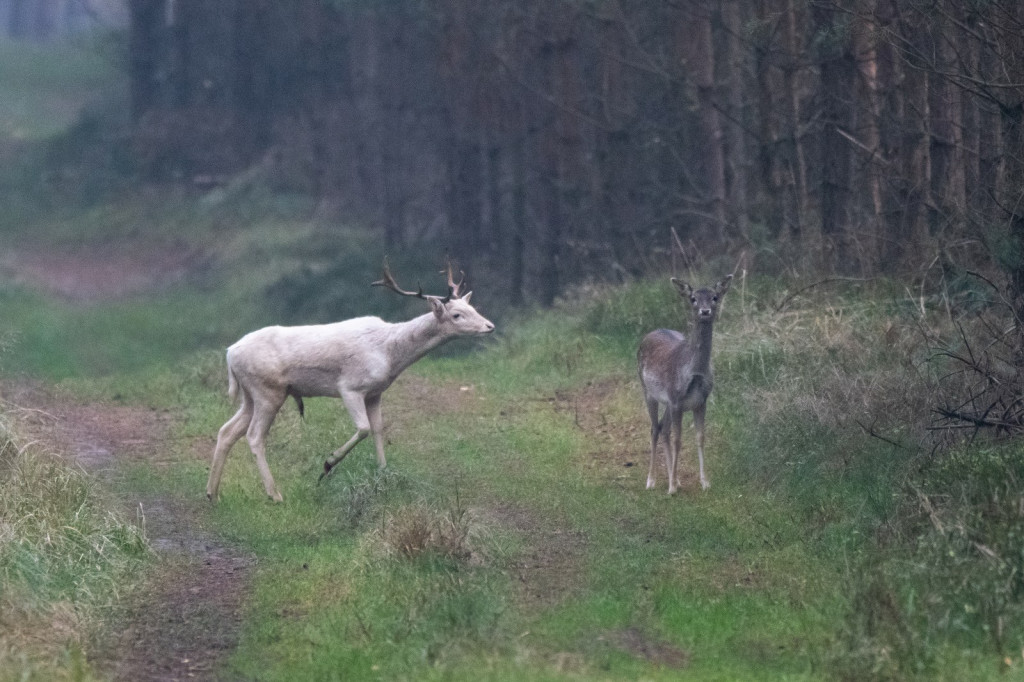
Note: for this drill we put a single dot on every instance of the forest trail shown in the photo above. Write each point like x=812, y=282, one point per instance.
x=98, y=274
x=185, y=619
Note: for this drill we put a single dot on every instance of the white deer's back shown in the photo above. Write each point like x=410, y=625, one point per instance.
x=316, y=360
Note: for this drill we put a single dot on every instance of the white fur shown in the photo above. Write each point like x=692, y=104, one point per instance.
x=355, y=360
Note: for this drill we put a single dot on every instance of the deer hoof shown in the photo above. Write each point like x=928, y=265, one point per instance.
x=326, y=471
x=277, y=497
x=705, y=484
x=650, y=484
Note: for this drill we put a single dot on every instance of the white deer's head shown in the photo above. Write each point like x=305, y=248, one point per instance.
x=453, y=312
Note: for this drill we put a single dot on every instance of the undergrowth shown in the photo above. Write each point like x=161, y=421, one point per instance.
x=65, y=561
x=845, y=395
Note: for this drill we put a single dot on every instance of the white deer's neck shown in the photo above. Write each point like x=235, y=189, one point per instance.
x=409, y=341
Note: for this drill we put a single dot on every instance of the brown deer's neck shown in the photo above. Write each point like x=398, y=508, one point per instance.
x=701, y=358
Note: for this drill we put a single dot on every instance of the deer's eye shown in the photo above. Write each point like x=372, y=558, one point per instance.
x=693, y=299
x=456, y=316
x=714, y=299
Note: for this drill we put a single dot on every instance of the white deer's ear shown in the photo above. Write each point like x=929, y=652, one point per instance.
x=465, y=298
x=437, y=306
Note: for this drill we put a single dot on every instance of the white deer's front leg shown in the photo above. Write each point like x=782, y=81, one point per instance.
x=377, y=427
x=356, y=405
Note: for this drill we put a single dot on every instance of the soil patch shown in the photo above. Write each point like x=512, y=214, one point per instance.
x=184, y=621
x=640, y=645
x=93, y=274
x=549, y=568
x=621, y=452
x=619, y=440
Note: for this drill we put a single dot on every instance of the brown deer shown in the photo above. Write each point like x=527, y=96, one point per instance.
x=675, y=372
x=355, y=360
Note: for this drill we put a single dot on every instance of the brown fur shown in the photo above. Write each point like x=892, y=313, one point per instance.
x=675, y=372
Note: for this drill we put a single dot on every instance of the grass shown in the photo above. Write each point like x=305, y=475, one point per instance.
x=545, y=501
x=511, y=536
x=65, y=560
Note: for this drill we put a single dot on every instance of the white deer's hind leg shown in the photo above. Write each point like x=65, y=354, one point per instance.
x=698, y=426
x=355, y=403
x=377, y=427
x=652, y=411
x=265, y=410
x=227, y=437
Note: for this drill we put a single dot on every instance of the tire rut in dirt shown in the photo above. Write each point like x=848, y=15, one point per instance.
x=184, y=620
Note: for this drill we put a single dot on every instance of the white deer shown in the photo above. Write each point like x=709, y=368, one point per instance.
x=676, y=372
x=355, y=360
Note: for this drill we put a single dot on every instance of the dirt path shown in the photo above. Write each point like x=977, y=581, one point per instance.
x=185, y=620
x=97, y=274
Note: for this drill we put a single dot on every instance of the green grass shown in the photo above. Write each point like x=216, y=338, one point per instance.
x=65, y=561
x=566, y=567
x=739, y=581
x=511, y=536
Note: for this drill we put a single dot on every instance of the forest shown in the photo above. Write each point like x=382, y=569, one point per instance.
x=178, y=174
x=548, y=143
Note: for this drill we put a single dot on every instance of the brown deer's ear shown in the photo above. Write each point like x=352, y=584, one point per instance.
x=723, y=286
x=685, y=290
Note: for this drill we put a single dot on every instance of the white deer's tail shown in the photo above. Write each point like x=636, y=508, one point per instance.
x=232, y=384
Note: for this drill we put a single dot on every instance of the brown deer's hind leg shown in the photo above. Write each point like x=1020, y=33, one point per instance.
x=652, y=410
x=675, y=417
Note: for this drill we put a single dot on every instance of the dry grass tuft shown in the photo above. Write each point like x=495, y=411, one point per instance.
x=847, y=362
x=418, y=530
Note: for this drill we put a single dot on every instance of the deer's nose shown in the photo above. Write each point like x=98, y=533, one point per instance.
x=704, y=312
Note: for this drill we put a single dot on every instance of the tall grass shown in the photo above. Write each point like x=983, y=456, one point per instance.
x=828, y=398
x=65, y=561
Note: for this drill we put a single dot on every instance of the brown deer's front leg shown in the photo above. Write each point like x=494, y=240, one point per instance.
x=698, y=426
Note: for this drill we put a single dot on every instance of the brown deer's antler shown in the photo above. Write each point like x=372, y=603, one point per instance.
x=388, y=281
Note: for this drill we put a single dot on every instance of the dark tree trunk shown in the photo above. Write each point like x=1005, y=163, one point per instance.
x=838, y=68
x=144, y=53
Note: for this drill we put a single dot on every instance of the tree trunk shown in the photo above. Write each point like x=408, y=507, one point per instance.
x=838, y=66
x=697, y=49
x=144, y=53
x=732, y=72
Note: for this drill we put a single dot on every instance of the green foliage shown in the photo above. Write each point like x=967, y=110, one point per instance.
x=45, y=85
x=955, y=580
